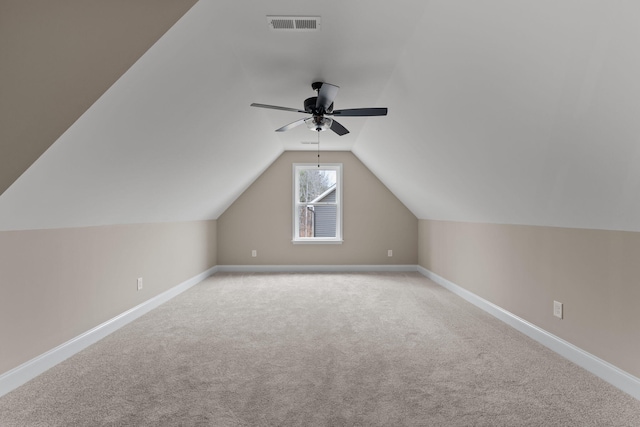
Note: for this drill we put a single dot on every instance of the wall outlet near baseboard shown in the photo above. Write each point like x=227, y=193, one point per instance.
x=254, y=253
x=139, y=283
x=557, y=309
x=390, y=253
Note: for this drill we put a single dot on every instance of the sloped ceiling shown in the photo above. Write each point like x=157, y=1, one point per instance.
x=58, y=57
x=499, y=111
x=521, y=112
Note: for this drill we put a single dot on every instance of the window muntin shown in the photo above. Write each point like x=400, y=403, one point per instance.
x=317, y=199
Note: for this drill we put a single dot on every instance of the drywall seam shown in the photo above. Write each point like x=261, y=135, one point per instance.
x=19, y=375
x=314, y=268
x=601, y=368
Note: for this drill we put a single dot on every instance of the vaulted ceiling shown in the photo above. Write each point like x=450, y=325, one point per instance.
x=499, y=111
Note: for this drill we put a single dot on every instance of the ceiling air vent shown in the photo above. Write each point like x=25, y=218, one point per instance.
x=293, y=23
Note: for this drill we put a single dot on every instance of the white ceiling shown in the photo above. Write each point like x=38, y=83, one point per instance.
x=499, y=111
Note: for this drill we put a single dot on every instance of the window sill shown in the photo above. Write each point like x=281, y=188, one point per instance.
x=317, y=242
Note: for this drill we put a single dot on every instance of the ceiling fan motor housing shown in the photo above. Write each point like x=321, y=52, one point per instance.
x=310, y=106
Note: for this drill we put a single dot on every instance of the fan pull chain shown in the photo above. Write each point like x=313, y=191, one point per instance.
x=318, y=148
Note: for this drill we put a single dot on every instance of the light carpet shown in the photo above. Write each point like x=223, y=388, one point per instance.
x=372, y=349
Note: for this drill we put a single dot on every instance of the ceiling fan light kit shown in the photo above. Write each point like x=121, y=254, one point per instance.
x=320, y=106
x=319, y=124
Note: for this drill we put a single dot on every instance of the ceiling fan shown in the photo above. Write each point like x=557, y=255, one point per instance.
x=322, y=105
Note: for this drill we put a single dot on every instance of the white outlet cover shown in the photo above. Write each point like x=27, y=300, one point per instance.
x=557, y=309
x=139, y=283
x=390, y=252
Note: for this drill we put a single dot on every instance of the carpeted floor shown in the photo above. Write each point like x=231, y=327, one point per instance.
x=375, y=349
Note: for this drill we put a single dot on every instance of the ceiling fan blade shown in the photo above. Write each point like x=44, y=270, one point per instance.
x=362, y=112
x=326, y=95
x=275, y=107
x=338, y=128
x=291, y=125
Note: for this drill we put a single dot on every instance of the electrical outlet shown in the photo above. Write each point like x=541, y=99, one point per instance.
x=390, y=252
x=557, y=309
x=139, y=283
x=254, y=253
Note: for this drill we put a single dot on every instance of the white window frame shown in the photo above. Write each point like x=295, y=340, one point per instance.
x=296, y=204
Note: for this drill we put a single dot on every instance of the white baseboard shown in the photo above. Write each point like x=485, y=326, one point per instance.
x=608, y=372
x=34, y=367
x=313, y=268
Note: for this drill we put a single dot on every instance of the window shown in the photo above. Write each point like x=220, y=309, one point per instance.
x=317, y=200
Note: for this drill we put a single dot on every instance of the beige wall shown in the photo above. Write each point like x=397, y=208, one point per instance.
x=374, y=220
x=57, y=284
x=523, y=269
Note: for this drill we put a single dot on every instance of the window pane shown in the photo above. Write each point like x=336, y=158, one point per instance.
x=317, y=221
x=313, y=183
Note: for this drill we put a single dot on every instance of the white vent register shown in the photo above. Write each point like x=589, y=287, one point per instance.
x=293, y=23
